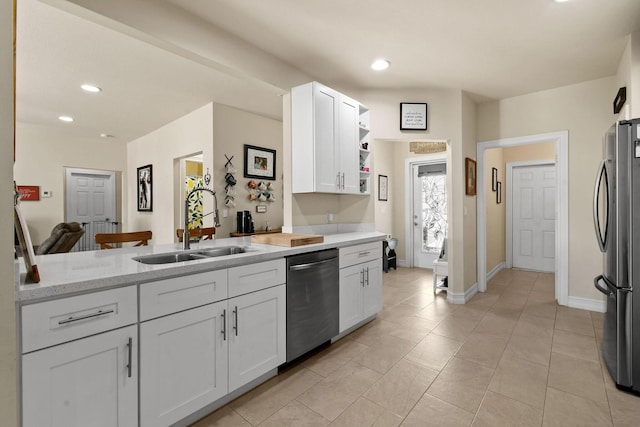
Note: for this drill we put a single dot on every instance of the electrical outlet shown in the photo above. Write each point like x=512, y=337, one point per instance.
x=46, y=194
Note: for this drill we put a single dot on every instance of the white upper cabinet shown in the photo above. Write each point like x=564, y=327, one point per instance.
x=325, y=141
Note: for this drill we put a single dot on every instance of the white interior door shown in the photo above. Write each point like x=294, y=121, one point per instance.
x=534, y=217
x=429, y=212
x=90, y=197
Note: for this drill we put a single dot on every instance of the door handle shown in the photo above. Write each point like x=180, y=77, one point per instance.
x=608, y=292
x=224, y=325
x=602, y=240
x=129, y=365
x=235, y=314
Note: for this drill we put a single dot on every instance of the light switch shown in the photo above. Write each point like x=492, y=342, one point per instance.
x=46, y=194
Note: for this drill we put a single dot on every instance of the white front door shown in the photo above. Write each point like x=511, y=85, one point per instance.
x=534, y=217
x=90, y=198
x=429, y=212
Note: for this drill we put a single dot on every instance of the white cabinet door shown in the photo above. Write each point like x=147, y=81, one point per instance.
x=183, y=359
x=89, y=382
x=360, y=286
x=351, y=285
x=257, y=334
x=347, y=159
x=372, y=298
x=326, y=104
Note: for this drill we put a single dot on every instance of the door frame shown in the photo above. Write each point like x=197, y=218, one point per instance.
x=509, y=200
x=408, y=169
x=561, y=144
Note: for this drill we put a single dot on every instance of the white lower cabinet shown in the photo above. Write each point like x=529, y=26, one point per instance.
x=88, y=382
x=183, y=360
x=360, y=283
x=191, y=358
x=257, y=334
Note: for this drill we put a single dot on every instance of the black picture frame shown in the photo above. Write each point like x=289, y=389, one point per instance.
x=145, y=188
x=383, y=188
x=498, y=192
x=494, y=179
x=259, y=162
x=413, y=116
x=620, y=99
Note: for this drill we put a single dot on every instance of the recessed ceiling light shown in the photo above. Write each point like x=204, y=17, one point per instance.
x=106, y=135
x=560, y=1
x=380, y=64
x=65, y=118
x=90, y=88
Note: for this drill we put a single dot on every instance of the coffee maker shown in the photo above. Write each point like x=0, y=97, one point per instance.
x=245, y=222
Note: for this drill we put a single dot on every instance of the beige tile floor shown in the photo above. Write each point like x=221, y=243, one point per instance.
x=511, y=356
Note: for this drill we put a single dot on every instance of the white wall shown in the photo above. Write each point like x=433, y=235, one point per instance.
x=41, y=158
x=450, y=116
x=8, y=352
x=185, y=136
x=232, y=129
x=584, y=110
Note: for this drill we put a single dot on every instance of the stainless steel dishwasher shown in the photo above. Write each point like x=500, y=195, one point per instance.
x=312, y=301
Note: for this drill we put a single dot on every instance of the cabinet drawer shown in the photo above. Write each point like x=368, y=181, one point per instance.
x=181, y=293
x=254, y=277
x=54, y=322
x=357, y=254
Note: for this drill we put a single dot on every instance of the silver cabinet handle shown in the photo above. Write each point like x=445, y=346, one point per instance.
x=224, y=325
x=129, y=365
x=338, y=180
x=343, y=180
x=367, y=276
x=362, y=278
x=235, y=326
x=361, y=254
x=86, y=316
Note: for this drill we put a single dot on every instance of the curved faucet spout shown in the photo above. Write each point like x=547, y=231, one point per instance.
x=216, y=220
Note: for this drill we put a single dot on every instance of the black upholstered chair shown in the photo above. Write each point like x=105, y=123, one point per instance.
x=62, y=238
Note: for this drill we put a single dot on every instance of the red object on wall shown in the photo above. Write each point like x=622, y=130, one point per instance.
x=29, y=193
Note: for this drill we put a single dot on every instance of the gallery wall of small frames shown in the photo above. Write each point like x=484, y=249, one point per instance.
x=496, y=186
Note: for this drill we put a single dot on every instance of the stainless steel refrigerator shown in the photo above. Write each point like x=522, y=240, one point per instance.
x=617, y=221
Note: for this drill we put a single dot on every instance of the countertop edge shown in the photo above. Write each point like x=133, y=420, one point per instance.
x=133, y=273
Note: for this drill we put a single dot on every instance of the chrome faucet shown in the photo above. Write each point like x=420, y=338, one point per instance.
x=216, y=221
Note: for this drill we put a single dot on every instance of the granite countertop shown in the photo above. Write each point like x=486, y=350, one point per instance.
x=81, y=272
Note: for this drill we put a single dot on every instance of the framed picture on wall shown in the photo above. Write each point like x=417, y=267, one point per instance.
x=259, y=162
x=145, y=193
x=498, y=192
x=494, y=179
x=383, y=188
x=470, y=176
x=413, y=116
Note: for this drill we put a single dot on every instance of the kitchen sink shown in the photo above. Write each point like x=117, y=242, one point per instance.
x=182, y=256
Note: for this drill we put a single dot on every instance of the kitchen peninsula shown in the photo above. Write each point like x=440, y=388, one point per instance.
x=105, y=336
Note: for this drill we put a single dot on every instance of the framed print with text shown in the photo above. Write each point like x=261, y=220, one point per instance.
x=413, y=116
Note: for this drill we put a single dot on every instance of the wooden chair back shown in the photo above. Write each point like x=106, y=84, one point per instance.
x=105, y=240
x=205, y=233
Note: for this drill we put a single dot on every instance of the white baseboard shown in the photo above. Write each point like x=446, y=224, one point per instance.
x=495, y=270
x=402, y=263
x=456, y=298
x=588, y=304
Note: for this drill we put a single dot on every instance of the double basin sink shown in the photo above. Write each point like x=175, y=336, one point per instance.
x=182, y=256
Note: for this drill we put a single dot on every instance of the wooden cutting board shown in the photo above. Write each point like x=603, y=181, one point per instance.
x=287, y=239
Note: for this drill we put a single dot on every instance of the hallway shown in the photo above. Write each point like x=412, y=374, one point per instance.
x=511, y=356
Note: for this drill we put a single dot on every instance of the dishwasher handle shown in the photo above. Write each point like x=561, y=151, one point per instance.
x=310, y=264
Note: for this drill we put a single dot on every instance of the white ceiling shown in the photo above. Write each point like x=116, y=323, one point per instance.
x=490, y=48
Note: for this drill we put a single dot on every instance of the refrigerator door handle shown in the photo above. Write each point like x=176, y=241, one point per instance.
x=599, y=287
x=602, y=240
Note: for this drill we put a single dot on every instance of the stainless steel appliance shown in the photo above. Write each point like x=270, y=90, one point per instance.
x=616, y=214
x=244, y=222
x=312, y=301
